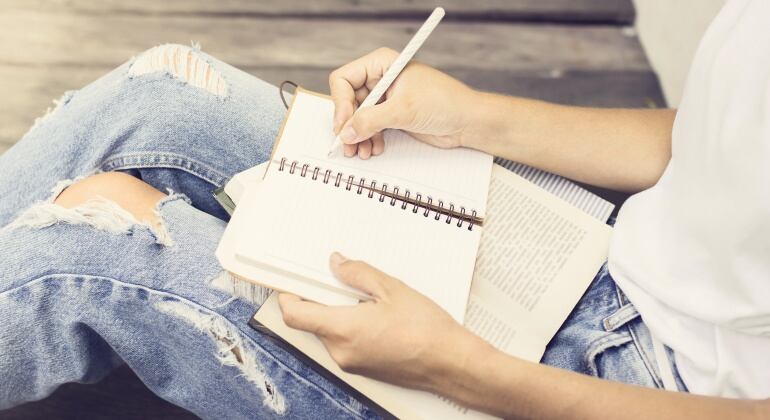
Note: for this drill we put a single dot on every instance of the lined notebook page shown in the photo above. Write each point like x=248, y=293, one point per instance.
x=293, y=224
x=458, y=176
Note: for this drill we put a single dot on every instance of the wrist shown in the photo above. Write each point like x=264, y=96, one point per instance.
x=491, y=120
x=454, y=358
x=506, y=126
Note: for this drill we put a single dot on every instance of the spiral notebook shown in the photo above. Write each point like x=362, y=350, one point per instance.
x=416, y=212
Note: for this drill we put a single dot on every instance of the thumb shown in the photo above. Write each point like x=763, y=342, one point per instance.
x=368, y=121
x=358, y=274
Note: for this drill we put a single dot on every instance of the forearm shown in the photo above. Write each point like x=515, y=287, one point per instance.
x=491, y=381
x=621, y=149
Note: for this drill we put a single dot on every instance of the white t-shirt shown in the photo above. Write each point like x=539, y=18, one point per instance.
x=693, y=252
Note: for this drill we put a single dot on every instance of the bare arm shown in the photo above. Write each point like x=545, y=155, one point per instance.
x=623, y=149
x=405, y=338
x=620, y=149
x=491, y=381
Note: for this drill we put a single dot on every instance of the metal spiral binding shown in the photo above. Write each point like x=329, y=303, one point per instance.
x=393, y=194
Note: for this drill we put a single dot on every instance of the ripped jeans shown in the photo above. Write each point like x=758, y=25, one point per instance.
x=84, y=290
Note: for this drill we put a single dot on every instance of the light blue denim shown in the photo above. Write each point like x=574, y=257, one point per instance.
x=77, y=300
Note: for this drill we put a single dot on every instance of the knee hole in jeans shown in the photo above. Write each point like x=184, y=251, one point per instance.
x=110, y=201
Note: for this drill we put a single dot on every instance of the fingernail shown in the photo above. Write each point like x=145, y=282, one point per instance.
x=337, y=258
x=348, y=134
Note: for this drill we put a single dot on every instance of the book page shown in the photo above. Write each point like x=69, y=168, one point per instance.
x=458, y=176
x=563, y=188
x=293, y=224
x=537, y=256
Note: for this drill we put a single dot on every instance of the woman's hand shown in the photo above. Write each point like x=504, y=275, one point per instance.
x=400, y=336
x=428, y=104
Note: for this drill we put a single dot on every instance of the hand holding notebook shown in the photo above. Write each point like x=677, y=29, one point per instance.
x=412, y=212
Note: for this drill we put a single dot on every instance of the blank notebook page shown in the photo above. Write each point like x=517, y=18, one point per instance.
x=458, y=176
x=294, y=224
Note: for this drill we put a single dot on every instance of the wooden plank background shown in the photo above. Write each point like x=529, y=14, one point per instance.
x=569, y=51
x=584, y=11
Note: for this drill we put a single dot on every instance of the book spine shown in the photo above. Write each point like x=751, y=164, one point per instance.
x=385, y=193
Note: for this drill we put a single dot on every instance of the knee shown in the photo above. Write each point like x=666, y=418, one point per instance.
x=131, y=194
x=182, y=62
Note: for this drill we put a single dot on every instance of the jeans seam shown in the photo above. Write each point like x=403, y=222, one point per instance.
x=600, y=345
x=53, y=276
x=645, y=358
x=158, y=160
x=637, y=344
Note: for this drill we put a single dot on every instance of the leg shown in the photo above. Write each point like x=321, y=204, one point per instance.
x=604, y=336
x=99, y=277
x=173, y=116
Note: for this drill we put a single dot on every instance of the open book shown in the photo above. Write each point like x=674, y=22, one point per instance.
x=415, y=212
x=538, y=254
x=542, y=240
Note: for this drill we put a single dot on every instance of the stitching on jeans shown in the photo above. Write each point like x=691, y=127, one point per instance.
x=250, y=342
x=645, y=358
x=620, y=317
x=164, y=160
x=637, y=343
x=599, y=346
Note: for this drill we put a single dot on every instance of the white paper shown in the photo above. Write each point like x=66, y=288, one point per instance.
x=537, y=256
x=432, y=256
x=459, y=176
x=295, y=220
x=518, y=322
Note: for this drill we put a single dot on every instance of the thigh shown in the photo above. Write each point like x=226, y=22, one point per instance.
x=81, y=292
x=605, y=336
x=173, y=116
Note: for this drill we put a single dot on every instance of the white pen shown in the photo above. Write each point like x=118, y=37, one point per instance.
x=395, y=69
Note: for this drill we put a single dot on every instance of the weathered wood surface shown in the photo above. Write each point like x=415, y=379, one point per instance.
x=119, y=396
x=47, y=53
x=584, y=11
x=45, y=39
x=33, y=89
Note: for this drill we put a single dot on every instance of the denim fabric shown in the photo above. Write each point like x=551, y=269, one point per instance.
x=77, y=300
x=605, y=336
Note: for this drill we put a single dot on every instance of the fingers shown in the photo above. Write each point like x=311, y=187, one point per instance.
x=359, y=275
x=365, y=149
x=361, y=94
x=307, y=316
x=378, y=144
x=367, y=122
x=349, y=150
x=359, y=75
x=344, y=99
